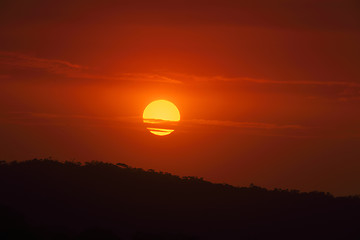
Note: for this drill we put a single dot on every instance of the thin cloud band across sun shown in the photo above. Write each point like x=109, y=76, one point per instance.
x=158, y=113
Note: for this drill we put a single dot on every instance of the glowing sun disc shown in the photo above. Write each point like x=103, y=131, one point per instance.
x=158, y=113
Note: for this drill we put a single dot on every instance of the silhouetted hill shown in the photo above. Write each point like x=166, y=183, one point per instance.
x=46, y=199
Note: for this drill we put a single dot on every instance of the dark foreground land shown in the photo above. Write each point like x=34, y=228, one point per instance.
x=45, y=199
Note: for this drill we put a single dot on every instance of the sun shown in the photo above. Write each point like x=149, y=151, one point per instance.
x=160, y=116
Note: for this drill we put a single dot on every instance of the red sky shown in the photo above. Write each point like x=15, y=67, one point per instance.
x=269, y=93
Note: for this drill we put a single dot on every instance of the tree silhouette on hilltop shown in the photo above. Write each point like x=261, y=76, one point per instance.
x=47, y=199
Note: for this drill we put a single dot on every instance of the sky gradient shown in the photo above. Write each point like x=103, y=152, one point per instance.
x=269, y=93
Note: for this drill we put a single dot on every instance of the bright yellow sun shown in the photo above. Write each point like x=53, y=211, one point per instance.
x=161, y=113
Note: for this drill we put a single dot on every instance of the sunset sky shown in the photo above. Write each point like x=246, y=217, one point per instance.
x=268, y=91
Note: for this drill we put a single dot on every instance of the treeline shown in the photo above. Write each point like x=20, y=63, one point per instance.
x=47, y=199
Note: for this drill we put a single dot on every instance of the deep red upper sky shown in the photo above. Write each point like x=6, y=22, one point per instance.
x=268, y=91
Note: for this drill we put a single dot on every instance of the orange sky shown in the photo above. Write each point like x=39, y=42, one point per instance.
x=268, y=93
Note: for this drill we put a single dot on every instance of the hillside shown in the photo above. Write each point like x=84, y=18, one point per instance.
x=46, y=199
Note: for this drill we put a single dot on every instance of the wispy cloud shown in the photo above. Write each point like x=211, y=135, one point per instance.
x=253, y=128
x=38, y=118
x=19, y=60
x=261, y=80
x=238, y=124
x=132, y=77
x=349, y=94
x=71, y=70
x=290, y=82
x=192, y=125
x=25, y=116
